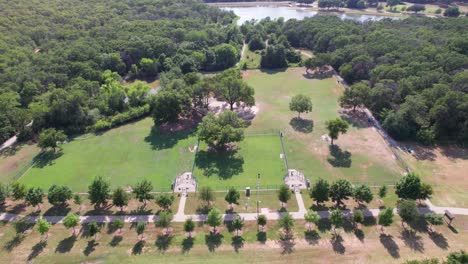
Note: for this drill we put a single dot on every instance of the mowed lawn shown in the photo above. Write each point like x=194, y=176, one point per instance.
x=124, y=156
x=362, y=155
x=239, y=167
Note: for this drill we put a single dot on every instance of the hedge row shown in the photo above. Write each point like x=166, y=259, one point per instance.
x=119, y=119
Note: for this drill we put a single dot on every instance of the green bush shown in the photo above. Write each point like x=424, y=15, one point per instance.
x=122, y=118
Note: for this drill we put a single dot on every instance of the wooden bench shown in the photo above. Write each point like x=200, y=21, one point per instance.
x=450, y=216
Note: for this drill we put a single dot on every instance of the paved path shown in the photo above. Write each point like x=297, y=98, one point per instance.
x=181, y=217
x=8, y=143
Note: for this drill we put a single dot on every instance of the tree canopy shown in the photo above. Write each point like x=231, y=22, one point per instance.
x=217, y=131
x=335, y=127
x=301, y=104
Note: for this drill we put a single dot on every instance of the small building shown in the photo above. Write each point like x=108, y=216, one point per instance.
x=295, y=180
x=185, y=183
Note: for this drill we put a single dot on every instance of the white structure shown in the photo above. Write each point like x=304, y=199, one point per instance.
x=295, y=180
x=185, y=183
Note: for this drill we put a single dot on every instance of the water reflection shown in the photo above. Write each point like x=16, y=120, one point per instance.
x=274, y=12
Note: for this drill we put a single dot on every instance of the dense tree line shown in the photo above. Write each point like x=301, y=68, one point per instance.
x=62, y=62
x=415, y=70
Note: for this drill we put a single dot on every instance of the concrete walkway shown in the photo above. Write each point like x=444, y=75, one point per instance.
x=8, y=143
x=181, y=217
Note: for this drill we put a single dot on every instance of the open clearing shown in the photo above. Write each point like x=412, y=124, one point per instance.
x=446, y=168
x=361, y=154
x=124, y=156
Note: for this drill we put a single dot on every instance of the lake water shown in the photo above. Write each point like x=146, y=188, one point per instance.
x=274, y=12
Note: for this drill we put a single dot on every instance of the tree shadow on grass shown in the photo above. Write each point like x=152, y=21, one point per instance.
x=66, y=244
x=237, y=242
x=58, y=210
x=165, y=140
x=187, y=244
x=90, y=247
x=390, y=245
x=224, y=164
x=324, y=225
x=439, y=239
x=287, y=243
x=312, y=237
x=261, y=237
x=412, y=240
x=213, y=241
x=137, y=249
x=163, y=242
x=359, y=234
x=46, y=158
x=339, y=158
x=37, y=249
x=337, y=244
x=115, y=241
x=302, y=125
x=14, y=242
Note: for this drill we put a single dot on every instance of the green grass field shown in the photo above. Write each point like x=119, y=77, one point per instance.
x=305, y=149
x=255, y=154
x=127, y=154
x=124, y=156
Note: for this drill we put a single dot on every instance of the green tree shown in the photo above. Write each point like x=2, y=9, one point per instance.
x=94, y=229
x=142, y=191
x=407, y=210
x=311, y=217
x=189, y=226
x=4, y=193
x=426, y=191
x=232, y=197
x=452, y=11
x=49, y=138
x=140, y=229
x=362, y=193
x=340, y=190
x=457, y=257
x=214, y=219
x=301, y=104
x=118, y=224
x=382, y=191
x=168, y=105
x=98, y=192
x=308, y=63
x=335, y=127
x=71, y=221
x=58, y=195
x=221, y=130
x=35, y=196
x=434, y=219
x=237, y=224
x=18, y=191
x=78, y=201
x=320, y=191
x=287, y=223
x=336, y=219
x=226, y=56
x=165, y=201
x=416, y=8
x=393, y=2
x=284, y=194
x=235, y=91
x=262, y=221
x=358, y=216
x=164, y=220
x=120, y=198
x=356, y=95
x=385, y=217
x=43, y=227
x=409, y=187
x=206, y=195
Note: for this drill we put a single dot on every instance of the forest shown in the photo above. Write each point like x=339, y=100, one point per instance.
x=62, y=64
